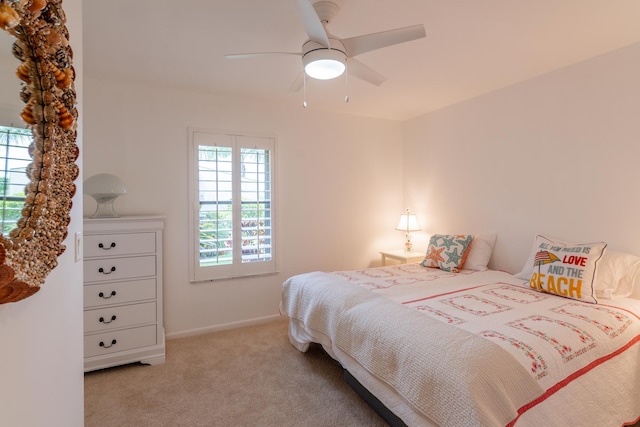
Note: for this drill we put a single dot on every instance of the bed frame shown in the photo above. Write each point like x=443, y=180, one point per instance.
x=373, y=401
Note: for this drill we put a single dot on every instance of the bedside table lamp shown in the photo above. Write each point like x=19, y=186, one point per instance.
x=105, y=189
x=408, y=223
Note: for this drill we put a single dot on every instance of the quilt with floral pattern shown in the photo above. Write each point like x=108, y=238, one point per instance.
x=479, y=348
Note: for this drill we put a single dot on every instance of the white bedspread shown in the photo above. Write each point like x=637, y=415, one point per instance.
x=477, y=348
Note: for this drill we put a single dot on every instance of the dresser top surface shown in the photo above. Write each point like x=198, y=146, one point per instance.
x=130, y=222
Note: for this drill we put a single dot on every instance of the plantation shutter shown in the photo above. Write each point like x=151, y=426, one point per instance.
x=232, y=215
x=14, y=151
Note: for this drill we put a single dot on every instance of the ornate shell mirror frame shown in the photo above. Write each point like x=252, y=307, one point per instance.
x=30, y=251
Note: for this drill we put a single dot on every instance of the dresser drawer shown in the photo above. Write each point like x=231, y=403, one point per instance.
x=106, y=245
x=122, y=340
x=119, y=292
x=100, y=270
x=125, y=316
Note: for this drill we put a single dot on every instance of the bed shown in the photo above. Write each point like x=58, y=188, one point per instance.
x=442, y=346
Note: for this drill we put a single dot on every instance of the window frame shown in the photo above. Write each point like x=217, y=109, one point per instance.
x=236, y=141
x=12, y=153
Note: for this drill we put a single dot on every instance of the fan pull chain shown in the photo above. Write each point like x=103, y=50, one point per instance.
x=304, y=90
x=346, y=80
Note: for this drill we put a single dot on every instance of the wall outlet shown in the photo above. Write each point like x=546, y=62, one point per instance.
x=78, y=246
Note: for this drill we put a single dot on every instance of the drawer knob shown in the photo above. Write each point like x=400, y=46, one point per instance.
x=106, y=322
x=101, y=270
x=111, y=246
x=101, y=295
x=113, y=342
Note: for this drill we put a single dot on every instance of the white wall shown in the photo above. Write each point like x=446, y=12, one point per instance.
x=10, y=104
x=339, y=188
x=553, y=155
x=556, y=155
x=41, y=367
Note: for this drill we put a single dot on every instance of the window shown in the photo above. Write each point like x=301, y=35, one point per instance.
x=232, y=227
x=14, y=156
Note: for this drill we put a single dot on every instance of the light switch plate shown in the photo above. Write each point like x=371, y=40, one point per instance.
x=78, y=246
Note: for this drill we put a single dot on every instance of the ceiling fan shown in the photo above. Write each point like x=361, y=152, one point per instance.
x=325, y=56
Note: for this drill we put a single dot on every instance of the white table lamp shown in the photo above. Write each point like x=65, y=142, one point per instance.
x=408, y=223
x=105, y=189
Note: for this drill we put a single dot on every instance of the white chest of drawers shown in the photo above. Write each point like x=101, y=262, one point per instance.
x=123, y=291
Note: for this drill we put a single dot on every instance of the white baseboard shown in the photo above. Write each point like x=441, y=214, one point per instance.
x=223, y=327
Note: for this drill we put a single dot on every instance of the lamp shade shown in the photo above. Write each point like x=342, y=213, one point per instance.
x=408, y=222
x=104, y=188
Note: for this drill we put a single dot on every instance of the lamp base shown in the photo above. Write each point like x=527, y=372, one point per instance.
x=105, y=209
x=408, y=246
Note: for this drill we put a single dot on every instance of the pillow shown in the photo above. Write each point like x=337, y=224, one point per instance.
x=616, y=275
x=566, y=269
x=447, y=251
x=527, y=269
x=479, y=253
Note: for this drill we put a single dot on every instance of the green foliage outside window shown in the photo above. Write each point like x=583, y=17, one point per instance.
x=216, y=234
x=216, y=237
x=14, y=143
x=12, y=213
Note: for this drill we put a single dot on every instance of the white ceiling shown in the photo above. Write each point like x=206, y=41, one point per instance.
x=472, y=47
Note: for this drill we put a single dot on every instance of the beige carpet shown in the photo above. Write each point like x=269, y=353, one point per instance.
x=244, y=377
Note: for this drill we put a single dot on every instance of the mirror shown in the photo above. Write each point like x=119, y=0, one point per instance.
x=30, y=251
x=10, y=103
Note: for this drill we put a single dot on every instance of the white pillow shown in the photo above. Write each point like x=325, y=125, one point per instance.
x=527, y=269
x=617, y=274
x=480, y=252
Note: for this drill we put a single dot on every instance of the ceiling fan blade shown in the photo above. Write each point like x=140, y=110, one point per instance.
x=368, y=42
x=259, y=54
x=358, y=69
x=312, y=25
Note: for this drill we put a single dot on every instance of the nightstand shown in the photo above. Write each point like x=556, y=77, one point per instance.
x=402, y=256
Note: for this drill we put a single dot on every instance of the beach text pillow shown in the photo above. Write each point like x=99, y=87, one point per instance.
x=447, y=251
x=566, y=269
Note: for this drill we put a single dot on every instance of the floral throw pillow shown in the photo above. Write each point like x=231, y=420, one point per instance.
x=447, y=252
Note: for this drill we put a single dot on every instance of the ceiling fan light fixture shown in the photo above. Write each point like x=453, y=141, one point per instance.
x=324, y=64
